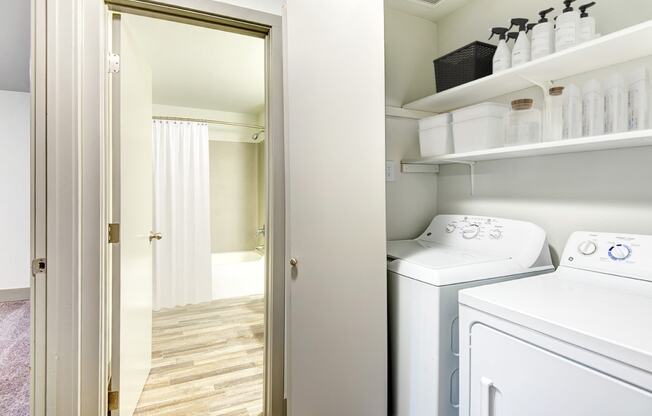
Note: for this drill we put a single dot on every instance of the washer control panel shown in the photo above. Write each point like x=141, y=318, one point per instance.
x=521, y=241
x=628, y=255
x=469, y=228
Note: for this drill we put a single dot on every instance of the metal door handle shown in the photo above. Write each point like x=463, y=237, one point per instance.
x=293, y=262
x=154, y=236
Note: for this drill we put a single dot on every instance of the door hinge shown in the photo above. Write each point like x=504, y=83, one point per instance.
x=39, y=266
x=113, y=63
x=113, y=398
x=114, y=233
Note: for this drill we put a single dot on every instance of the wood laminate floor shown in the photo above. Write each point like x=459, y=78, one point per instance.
x=207, y=359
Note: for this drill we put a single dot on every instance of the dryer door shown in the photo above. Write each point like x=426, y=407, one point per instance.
x=510, y=377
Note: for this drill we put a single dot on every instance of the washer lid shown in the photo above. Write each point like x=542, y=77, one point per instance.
x=440, y=265
x=607, y=314
x=433, y=255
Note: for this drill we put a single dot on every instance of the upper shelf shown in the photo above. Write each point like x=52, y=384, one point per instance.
x=614, y=48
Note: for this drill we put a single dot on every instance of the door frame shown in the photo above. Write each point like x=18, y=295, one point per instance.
x=38, y=206
x=222, y=16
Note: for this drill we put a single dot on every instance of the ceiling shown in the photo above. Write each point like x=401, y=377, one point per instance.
x=198, y=67
x=428, y=9
x=14, y=45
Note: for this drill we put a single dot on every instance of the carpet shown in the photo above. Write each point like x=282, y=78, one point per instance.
x=14, y=358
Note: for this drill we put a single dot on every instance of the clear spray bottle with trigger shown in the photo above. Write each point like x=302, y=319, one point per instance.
x=521, y=52
x=543, y=36
x=503, y=56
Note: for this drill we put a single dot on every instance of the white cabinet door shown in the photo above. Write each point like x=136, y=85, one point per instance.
x=510, y=377
x=337, y=307
x=132, y=169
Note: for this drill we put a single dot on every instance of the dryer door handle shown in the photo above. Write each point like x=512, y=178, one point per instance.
x=485, y=405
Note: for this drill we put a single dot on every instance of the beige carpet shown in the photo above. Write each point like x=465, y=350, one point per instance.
x=14, y=358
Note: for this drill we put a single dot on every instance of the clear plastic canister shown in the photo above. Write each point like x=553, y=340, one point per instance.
x=523, y=123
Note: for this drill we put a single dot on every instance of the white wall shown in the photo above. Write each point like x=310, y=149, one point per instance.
x=475, y=20
x=234, y=196
x=267, y=6
x=15, y=45
x=600, y=191
x=410, y=47
x=14, y=189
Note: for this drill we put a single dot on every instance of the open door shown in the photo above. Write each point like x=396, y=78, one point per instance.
x=132, y=211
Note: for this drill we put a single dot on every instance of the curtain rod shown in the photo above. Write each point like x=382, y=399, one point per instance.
x=199, y=120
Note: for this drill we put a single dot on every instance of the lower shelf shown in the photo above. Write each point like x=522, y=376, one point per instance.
x=585, y=144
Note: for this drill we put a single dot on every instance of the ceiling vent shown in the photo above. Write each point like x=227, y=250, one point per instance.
x=428, y=2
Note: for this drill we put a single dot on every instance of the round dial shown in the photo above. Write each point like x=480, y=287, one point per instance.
x=471, y=231
x=495, y=234
x=450, y=228
x=620, y=252
x=587, y=247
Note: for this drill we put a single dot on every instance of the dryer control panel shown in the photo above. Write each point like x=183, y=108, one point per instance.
x=627, y=255
x=520, y=240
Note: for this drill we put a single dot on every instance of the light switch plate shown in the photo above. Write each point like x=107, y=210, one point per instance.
x=390, y=171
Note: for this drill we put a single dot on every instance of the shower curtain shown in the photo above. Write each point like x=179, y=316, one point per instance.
x=182, y=258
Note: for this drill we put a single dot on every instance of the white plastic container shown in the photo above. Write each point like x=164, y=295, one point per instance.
x=522, y=51
x=543, y=40
x=435, y=135
x=592, y=109
x=523, y=123
x=639, y=100
x=587, y=23
x=543, y=36
x=571, y=112
x=568, y=28
x=479, y=127
x=615, y=104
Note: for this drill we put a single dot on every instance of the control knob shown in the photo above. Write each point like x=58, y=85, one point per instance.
x=450, y=228
x=587, y=247
x=471, y=231
x=495, y=234
x=620, y=252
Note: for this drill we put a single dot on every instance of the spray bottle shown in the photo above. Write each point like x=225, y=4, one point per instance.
x=521, y=52
x=503, y=55
x=567, y=32
x=543, y=36
x=587, y=23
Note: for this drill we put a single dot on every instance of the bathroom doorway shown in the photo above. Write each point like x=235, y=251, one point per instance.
x=190, y=218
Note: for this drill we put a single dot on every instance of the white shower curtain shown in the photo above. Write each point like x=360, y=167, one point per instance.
x=182, y=258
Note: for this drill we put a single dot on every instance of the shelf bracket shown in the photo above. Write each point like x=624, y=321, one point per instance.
x=544, y=85
x=471, y=166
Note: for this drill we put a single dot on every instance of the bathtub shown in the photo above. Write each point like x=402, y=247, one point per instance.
x=238, y=273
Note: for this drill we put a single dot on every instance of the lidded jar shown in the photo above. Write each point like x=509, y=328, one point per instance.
x=523, y=123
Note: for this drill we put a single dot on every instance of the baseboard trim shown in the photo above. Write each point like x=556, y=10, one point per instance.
x=9, y=295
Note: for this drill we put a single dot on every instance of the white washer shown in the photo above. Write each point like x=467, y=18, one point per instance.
x=577, y=342
x=424, y=276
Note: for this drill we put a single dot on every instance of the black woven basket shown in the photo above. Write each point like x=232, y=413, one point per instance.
x=463, y=65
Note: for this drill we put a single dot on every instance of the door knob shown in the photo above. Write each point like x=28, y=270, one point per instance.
x=154, y=236
x=293, y=262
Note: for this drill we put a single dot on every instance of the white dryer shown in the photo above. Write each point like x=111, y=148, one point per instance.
x=424, y=277
x=577, y=342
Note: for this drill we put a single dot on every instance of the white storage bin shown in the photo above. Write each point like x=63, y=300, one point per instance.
x=479, y=127
x=435, y=135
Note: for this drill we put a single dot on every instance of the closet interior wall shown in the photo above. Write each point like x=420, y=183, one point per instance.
x=410, y=45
